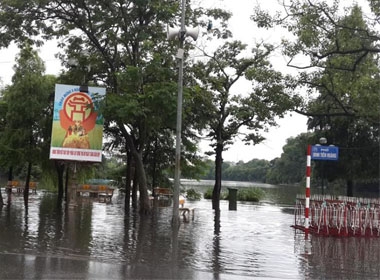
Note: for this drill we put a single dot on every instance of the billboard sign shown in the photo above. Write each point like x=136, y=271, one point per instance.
x=77, y=131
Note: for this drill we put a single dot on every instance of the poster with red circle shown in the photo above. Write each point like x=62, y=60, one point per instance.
x=77, y=131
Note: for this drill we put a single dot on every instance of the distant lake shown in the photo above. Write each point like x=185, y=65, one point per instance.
x=236, y=184
x=277, y=194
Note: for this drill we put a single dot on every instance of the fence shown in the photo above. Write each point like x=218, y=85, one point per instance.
x=338, y=216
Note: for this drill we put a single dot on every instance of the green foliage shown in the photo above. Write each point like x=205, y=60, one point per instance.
x=341, y=77
x=290, y=167
x=127, y=51
x=208, y=194
x=24, y=136
x=347, y=107
x=253, y=171
x=192, y=194
x=228, y=113
x=243, y=194
x=250, y=194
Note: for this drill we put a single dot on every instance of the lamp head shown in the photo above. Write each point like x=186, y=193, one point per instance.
x=322, y=140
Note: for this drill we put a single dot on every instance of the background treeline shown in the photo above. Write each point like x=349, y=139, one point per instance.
x=290, y=167
x=287, y=169
x=125, y=49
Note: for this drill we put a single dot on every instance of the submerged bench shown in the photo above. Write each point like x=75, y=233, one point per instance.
x=163, y=192
x=102, y=192
x=33, y=187
x=20, y=186
x=186, y=213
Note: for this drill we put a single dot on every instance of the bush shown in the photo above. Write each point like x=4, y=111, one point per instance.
x=192, y=194
x=208, y=194
x=243, y=194
x=251, y=194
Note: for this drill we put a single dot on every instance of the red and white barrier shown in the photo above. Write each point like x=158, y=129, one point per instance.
x=340, y=216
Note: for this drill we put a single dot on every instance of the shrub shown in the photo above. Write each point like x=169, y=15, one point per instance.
x=208, y=194
x=243, y=194
x=192, y=194
x=250, y=194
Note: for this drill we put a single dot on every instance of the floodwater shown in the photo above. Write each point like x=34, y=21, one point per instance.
x=94, y=240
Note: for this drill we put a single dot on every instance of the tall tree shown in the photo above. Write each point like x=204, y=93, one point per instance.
x=341, y=74
x=290, y=167
x=322, y=32
x=126, y=47
x=253, y=109
x=348, y=106
x=26, y=100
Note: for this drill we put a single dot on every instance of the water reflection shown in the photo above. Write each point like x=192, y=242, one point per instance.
x=216, y=245
x=93, y=239
x=357, y=257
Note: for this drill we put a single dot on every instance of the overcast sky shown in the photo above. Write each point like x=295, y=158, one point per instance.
x=243, y=29
x=293, y=124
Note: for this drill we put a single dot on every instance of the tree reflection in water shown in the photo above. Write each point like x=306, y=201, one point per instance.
x=97, y=239
x=216, y=245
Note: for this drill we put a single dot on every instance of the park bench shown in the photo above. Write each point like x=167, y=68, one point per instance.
x=14, y=185
x=33, y=187
x=102, y=192
x=162, y=197
x=20, y=186
x=165, y=192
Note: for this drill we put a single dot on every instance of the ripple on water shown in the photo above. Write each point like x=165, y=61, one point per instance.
x=256, y=240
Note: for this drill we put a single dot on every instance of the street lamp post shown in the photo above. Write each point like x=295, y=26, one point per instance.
x=177, y=173
x=181, y=33
x=74, y=63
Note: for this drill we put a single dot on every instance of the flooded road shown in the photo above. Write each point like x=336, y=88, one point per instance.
x=98, y=241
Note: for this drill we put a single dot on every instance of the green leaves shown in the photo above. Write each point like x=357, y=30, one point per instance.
x=27, y=101
x=253, y=108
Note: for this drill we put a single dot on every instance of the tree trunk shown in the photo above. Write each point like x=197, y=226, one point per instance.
x=154, y=183
x=60, y=167
x=26, y=188
x=140, y=171
x=144, y=198
x=1, y=200
x=128, y=179
x=218, y=178
x=10, y=177
x=135, y=188
x=217, y=222
x=67, y=183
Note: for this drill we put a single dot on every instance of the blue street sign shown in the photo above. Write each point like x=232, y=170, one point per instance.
x=324, y=152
